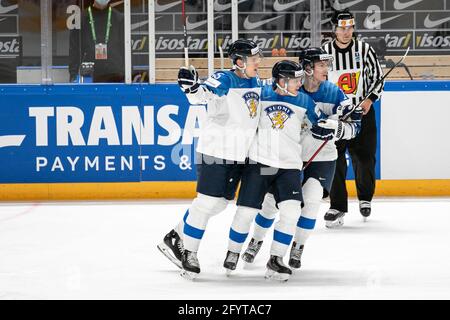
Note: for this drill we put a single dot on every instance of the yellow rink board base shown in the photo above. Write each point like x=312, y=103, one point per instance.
x=186, y=190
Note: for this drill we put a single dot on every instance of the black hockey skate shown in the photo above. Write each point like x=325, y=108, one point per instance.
x=334, y=218
x=296, y=256
x=191, y=266
x=276, y=269
x=231, y=261
x=364, y=208
x=252, y=250
x=172, y=247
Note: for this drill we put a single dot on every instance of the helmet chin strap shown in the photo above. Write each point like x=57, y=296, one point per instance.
x=285, y=90
x=242, y=69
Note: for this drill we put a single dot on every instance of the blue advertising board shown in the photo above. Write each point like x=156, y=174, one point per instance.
x=112, y=133
x=96, y=133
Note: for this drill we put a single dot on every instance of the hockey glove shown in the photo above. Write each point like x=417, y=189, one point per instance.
x=349, y=112
x=328, y=129
x=188, y=79
x=356, y=115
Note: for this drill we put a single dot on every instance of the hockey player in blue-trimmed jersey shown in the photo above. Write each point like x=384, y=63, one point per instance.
x=276, y=163
x=331, y=101
x=233, y=110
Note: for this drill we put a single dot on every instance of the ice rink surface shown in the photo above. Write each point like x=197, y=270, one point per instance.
x=107, y=250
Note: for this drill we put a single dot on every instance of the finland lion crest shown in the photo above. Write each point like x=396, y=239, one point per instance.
x=278, y=114
x=252, y=102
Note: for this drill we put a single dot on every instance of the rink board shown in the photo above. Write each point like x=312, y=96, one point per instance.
x=185, y=190
x=137, y=141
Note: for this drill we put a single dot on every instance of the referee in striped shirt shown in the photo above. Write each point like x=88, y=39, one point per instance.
x=355, y=70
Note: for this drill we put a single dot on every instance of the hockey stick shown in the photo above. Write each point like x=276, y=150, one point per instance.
x=366, y=97
x=221, y=57
x=186, y=46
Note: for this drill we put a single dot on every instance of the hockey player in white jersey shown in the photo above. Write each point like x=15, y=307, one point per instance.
x=332, y=102
x=276, y=162
x=233, y=111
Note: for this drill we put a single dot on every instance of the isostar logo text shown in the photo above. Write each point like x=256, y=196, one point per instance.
x=10, y=46
x=430, y=41
x=265, y=43
x=139, y=44
x=401, y=40
x=169, y=44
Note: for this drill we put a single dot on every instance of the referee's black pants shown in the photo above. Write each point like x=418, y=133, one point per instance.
x=362, y=151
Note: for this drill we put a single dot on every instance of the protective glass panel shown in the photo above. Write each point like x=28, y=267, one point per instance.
x=170, y=41
x=66, y=24
x=20, y=37
x=279, y=27
x=222, y=34
x=139, y=40
x=90, y=42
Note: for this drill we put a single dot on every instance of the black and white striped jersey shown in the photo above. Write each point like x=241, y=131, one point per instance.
x=355, y=70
